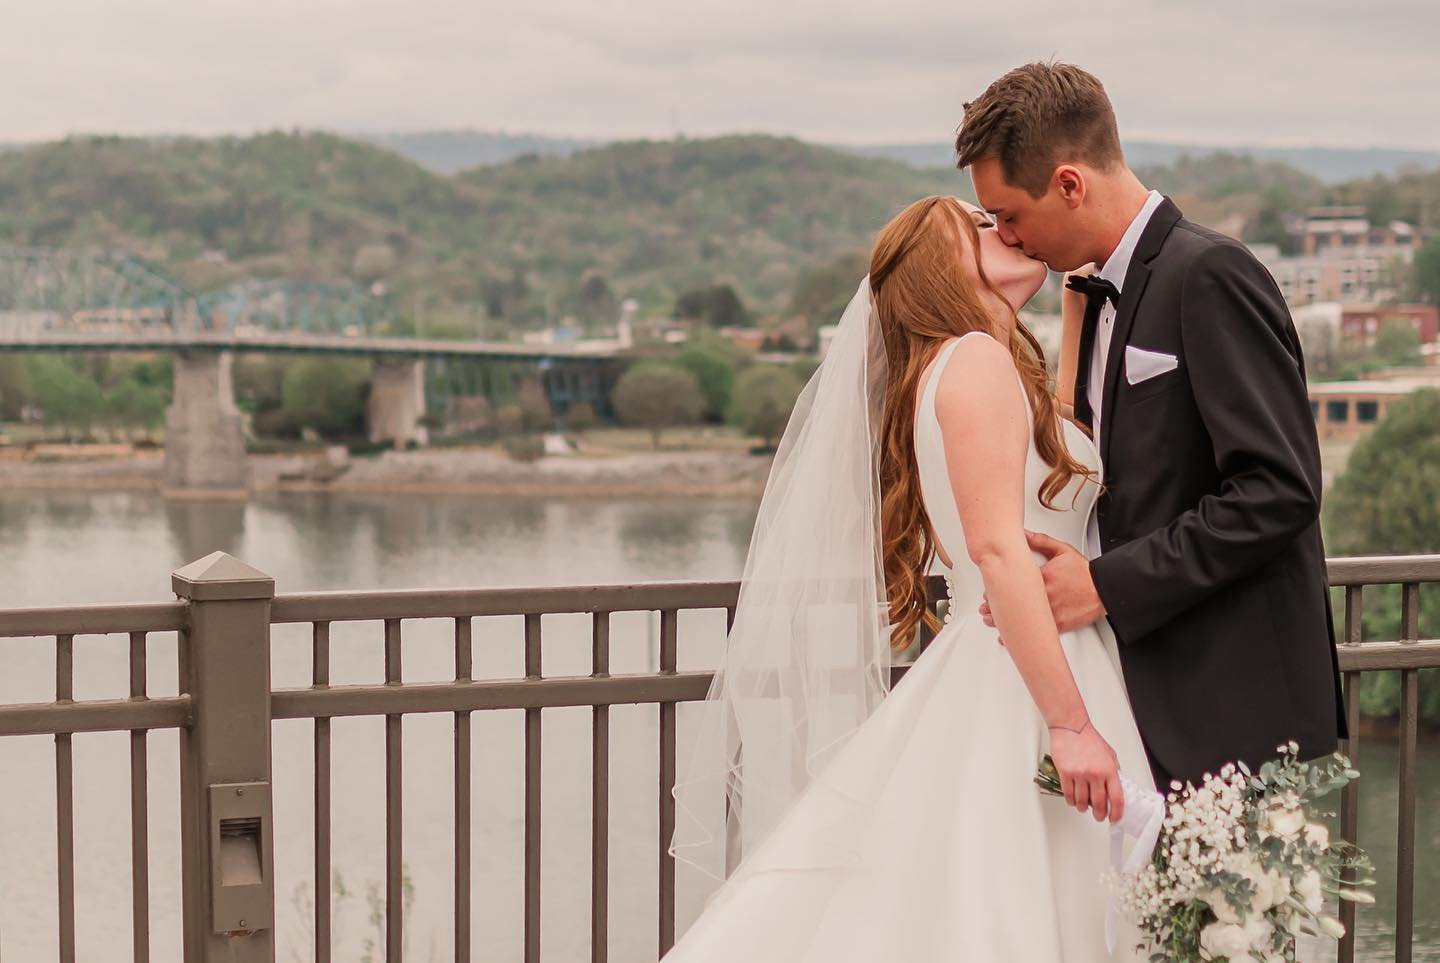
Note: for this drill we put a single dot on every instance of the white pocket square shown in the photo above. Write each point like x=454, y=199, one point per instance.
x=1142, y=365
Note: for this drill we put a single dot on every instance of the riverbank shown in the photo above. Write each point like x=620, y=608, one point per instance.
x=480, y=471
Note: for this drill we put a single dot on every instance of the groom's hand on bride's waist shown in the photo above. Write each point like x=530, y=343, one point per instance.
x=1074, y=601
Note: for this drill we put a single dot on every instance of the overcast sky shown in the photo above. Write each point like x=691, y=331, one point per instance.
x=1345, y=73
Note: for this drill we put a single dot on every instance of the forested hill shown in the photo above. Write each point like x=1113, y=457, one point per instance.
x=536, y=238
x=658, y=218
x=519, y=238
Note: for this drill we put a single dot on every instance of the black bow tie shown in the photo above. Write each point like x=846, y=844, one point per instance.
x=1096, y=289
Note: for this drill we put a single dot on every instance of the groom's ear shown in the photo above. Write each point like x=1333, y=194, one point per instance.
x=1070, y=184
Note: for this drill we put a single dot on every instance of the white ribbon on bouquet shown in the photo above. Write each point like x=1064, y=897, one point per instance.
x=1144, y=817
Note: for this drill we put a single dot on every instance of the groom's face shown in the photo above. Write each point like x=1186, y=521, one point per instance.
x=1044, y=227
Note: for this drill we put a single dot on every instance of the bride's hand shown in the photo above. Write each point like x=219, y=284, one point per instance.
x=1089, y=771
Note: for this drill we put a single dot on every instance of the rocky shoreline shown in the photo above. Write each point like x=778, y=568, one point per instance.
x=477, y=471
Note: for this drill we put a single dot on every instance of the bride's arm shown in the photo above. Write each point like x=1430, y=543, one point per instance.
x=981, y=409
x=1072, y=312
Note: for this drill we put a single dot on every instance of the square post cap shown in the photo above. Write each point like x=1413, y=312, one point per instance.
x=221, y=577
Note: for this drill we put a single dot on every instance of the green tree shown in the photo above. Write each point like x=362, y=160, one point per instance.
x=135, y=404
x=16, y=388
x=711, y=359
x=1387, y=501
x=68, y=398
x=1427, y=270
x=1388, y=498
x=764, y=397
x=1398, y=343
x=326, y=395
x=580, y=417
x=535, y=413
x=718, y=307
x=595, y=304
x=373, y=262
x=509, y=420
x=655, y=396
x=821, y=294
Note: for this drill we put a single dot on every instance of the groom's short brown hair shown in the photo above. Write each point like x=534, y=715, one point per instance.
x=1037, y=117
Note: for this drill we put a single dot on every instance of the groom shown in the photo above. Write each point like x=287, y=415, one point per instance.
x=1205, y=553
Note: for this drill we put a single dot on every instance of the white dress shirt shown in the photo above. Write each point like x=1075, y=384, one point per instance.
x=1116, y=266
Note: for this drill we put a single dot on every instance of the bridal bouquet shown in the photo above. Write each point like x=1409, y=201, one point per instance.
x=1242, y=864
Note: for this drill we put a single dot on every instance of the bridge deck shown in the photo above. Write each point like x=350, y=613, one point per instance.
x=308, y=344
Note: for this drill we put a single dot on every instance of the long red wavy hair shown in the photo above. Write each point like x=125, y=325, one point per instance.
x=924, y=297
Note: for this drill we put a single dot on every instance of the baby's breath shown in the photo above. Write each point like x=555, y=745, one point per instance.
x=1242, y=862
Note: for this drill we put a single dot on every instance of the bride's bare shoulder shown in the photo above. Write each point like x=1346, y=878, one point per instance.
x=979, y=376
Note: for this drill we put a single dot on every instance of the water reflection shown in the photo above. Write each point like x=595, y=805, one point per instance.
x=202, y=526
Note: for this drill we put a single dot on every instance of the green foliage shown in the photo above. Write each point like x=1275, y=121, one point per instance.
x=535, y=413
x=805, y=368
x=1212, y=187
x=69, y=397
x=718, y=306
x=1398, y=343
x=822, y=293
x=712, y=361
x=138, y=405
x=1427, y=271
x=764, y=397
x=373, y=262
x=326, y=395
x=524, y=448
x=580, y=417
x=658, y=219
x=1388, y=502
x=537, y=239
x=1412, y=196
x=655, y=396
x=1388, y=499
x=509, y=419
x=78, y=393
x=16, y=387
x=594, y=304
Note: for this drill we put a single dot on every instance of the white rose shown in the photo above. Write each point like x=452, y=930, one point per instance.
x=1317, y=835
x=1310, y=891
x=1220, y=906
x=1270, y=887
x=1333, y=928
x=1235, y=942
x=1284, y=820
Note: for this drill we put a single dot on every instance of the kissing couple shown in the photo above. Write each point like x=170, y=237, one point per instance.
x=1133, y=557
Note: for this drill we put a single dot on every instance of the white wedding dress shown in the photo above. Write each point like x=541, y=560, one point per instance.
x=960, y=859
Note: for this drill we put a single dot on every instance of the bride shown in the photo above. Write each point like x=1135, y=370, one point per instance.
x=850, y=823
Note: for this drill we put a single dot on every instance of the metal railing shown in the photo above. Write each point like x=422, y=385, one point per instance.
x=226, y=705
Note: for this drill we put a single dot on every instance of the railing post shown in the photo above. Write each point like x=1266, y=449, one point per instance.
x=226, y=834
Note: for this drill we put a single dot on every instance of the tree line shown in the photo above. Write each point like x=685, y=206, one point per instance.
x=1387, y=502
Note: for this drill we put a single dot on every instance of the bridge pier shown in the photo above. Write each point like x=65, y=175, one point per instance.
x=204, y=438
x=397, y=403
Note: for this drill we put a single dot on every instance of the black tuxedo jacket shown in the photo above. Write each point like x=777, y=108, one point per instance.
x=1212, y=569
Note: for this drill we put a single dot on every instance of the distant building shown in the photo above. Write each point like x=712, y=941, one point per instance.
x=1348, y=410
x=751, y=339
x=1362, y=322
x=1322, y=230
x=1342, y=256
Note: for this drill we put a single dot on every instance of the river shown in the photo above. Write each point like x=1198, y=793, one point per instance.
x=79, y=547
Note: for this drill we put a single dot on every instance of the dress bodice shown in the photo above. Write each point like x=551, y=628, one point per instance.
x=1066, y=522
